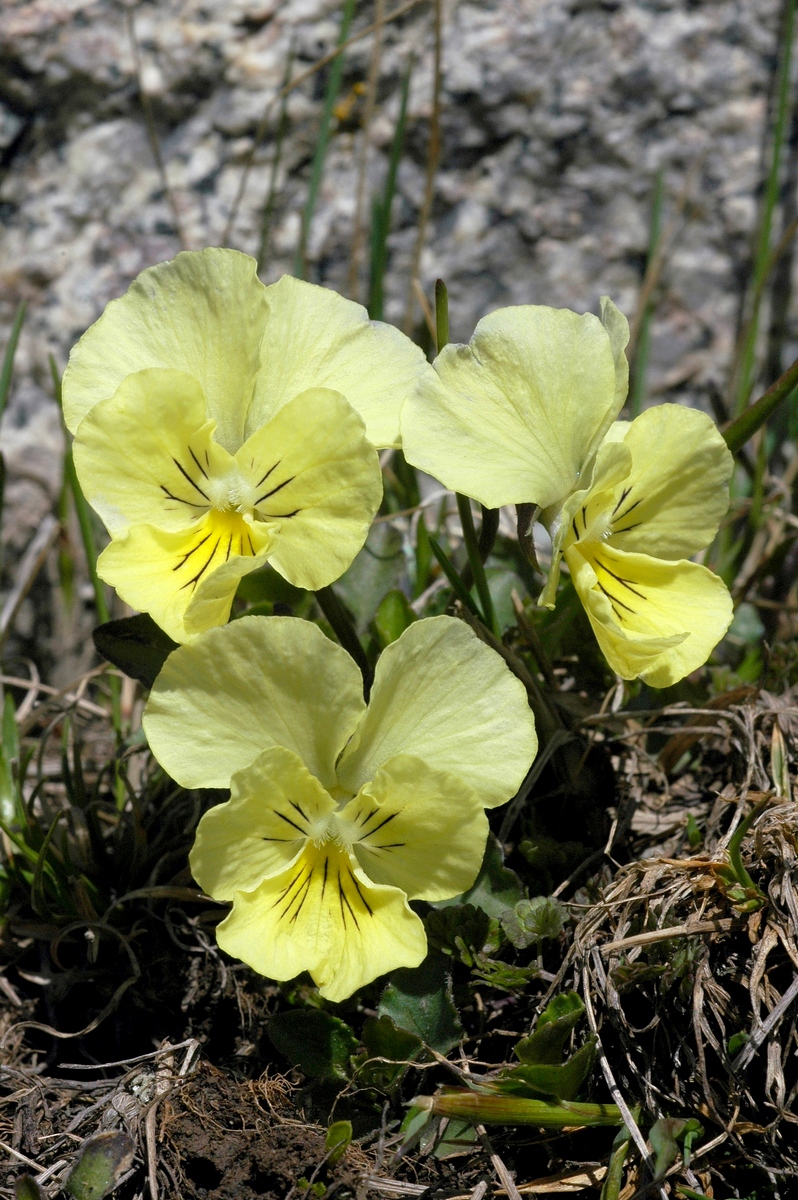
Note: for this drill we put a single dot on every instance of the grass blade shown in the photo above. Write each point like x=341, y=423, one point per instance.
x=8, y=357
x=637, y=390
x=279, y=138
x=755, y=416
x=322, y=142
x=743, y=374
x=381, y=210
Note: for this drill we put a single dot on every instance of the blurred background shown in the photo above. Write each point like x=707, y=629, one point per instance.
x=526, y=151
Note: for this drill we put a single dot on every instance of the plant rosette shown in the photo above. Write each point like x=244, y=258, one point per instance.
x=220, y=423
x=525, y=414
x=340, y=813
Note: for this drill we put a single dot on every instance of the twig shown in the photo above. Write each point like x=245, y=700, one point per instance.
x=29, y=568
x=722, y=925
x=771, y=1020
x=615, y=1091
x=504, y=1176
x=37, y=685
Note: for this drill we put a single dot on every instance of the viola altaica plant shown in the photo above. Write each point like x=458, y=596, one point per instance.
x=525, y=414
x=340, y=813
x=220, y=423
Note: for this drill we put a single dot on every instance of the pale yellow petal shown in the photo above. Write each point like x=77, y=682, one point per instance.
x=517, y=414
x=586, y=511
x=145, y=455
x=257, y=683
x=417, y=829
x=171, y=573
x=276, y=806
x=316, y=338
x=445, y=697
x=322, y=915
x=617, y=328
x=653, y=619
x=317, y=476
x=677, y=491
x=203, y=313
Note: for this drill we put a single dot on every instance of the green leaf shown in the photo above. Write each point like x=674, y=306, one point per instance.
x=531, y=921
x=383, y=1039
x=419, y=1000
x=379, y=566
x=457, y=1138
x=9, y=751
x=315, y=1041
x=26, y=1188
x=463, y=930
x=482, y=1109
x=664, y=1135
x=136, y=645
x=495, y=889
x=562, y=1080
x=103, y=1161
x=339, y=1135
x=393, y=616
x=555, y=1023
x=736, y=1043
x=267, y=586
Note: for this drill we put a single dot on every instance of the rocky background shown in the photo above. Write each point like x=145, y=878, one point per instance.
x=556, y=117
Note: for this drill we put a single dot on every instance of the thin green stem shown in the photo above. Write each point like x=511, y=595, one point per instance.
x=8, y=357
x=282, y=129
x=341, y=625
x=323, y=140
x=746, y=425
x=637, y=390
x=450, y=571
x=762, y=258
x=441, y=314
x=475, y=562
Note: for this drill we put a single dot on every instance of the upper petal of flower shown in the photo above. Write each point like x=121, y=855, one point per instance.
x=324, y=916
x=313, y=472
x=185, y=579
x=443, y=696
x=145, y=455
x=316, y=338
x=420, y=830
x=203, y=313
x=243, y=688
x=653, y=619
x=676, y=493
x=517, y=415
x=276, y=807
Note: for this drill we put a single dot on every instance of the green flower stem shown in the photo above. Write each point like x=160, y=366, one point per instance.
x=511, y=1110
x=475, y=562
x=441, y=314
x=90, y=550
x=746, y=425
x=459, y=588
x=344, y=630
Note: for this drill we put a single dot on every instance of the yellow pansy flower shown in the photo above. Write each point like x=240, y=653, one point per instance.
x=220, y=423
x=517, y=415
x=525, y=414
x=658, y=493
x=339, y=813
